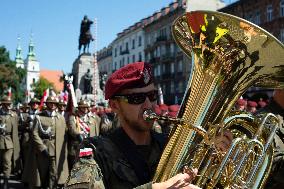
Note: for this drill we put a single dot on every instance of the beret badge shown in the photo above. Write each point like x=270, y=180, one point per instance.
x=146, y=76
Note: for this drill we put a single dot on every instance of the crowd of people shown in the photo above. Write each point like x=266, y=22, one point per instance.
x=39, y=145
x=43, y=145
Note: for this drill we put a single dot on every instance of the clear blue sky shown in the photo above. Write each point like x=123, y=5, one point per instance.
x=55, y=25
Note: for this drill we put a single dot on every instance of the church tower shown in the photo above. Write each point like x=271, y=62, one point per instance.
x=32, y=68
x=19, y=57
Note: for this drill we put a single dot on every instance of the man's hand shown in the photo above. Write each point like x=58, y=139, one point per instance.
x=223, y=142
x=181, y=180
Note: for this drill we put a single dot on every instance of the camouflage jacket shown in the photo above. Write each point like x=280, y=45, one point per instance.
x=118, y=169
x=275, y=179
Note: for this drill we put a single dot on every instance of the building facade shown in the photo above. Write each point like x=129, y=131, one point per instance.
x=128, y=47
x=104, y=60
x=268, y=14
x=171, y=66
x=151, y=40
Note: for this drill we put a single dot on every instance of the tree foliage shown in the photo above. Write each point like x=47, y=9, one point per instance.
x=11, y=76
x=41, y=85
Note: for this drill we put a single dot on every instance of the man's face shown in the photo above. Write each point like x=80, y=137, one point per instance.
x=51, y=106
x=84, y=110
x=34, y=106
x=61, y=107
x=7, y=106
x=131, y=115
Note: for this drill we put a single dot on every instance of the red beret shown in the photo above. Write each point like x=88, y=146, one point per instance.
x=241, y=102
x=157, y=110
x=172, y=114
x=252, y=104
x=134, y=75
x=164, y=107
x=174, y=108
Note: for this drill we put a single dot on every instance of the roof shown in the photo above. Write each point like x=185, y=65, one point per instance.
x=53, y=76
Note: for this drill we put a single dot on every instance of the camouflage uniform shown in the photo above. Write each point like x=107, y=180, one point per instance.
x=122, y=163
x=275, y=179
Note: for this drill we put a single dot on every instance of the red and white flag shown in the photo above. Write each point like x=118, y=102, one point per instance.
x=10, y=92
x=44, y=97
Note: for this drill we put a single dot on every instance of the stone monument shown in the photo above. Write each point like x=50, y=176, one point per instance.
x=85, y=71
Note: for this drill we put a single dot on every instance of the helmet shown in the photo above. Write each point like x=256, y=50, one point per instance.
x=6, y=100
x=62, y=102
x=34, y=100
x=83, y=104
x=51, y=99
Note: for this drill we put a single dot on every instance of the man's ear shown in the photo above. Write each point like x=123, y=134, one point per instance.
x=114, y=105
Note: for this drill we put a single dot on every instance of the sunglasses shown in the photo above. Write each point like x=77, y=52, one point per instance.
x=138, y=98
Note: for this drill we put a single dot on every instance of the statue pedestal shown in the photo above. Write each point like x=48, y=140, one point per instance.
x=81, y=66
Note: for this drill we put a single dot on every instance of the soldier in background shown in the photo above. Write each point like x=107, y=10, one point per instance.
x=82, y=124
x=62, y=109
x=9, y=140
x=50, y=140
x=27, y=147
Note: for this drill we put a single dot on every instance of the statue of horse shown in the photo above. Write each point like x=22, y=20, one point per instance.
x=85, y=35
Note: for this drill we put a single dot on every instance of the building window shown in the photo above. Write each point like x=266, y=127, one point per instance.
x=180, y=87
x=128, y=60
x=172, y=68
x=282, y=8
x=133, y=58
x=115, y=52
x=282, y=35
x=163, y=68
x=172, y=89
x=257, y=18
x=158, y=70
x=140, y=57
x=126, y=46
x=33, y=68
x=139, y=41
x=33, y=80
x=133, y=43
x=115, y=65
x=180, y=66
x=120, y=49
x=269, y=12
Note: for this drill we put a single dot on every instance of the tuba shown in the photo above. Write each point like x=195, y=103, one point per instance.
x=229, y=55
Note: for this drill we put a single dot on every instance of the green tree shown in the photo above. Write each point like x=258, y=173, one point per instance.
x=41, y=85
x=11, y=76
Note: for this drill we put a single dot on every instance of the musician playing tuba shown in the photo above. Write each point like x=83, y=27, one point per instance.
x=128, y=157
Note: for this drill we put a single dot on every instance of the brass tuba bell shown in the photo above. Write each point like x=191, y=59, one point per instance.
x=229, y=55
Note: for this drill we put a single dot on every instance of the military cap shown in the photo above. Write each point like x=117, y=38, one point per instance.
x=6, y=100
x=34, y=100
x=51, y=99
x=172, y=114
x=174, y=108
x=83, y=104
x=157, y=110
x=62, y=102
x=241, y=102
x=252, y=104
x=134, y=75
x=164, y=107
